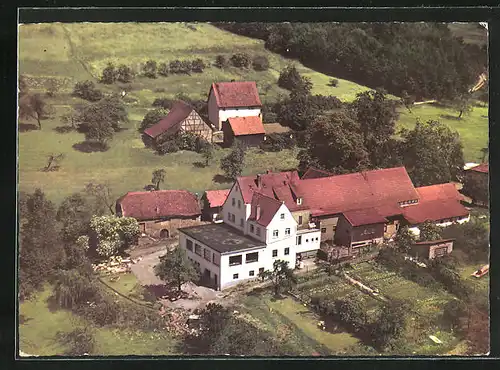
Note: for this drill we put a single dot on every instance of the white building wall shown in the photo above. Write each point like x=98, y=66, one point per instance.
x=224, y=114
x=239, y=213
x=310, y=240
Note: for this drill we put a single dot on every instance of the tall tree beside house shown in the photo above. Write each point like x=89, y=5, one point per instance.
x=429, y=231
x=477, y=187
x=110, y=235
x=103, y=197
x=40, y=249
x=152, y=118
x=334, y=144
x=281, y=276
x=158, y=177
x=432, y=153
x=233, y=163
x=32, y=106
x=297, y=111
x=74, y=214
x=175, y=268
x=404, y=239
x=376, y=116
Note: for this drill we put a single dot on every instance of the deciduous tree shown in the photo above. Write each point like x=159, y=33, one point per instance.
x=176, y=268
x=109, y=74
x=149, y=69
x=158, y=177
x=88, y=91
x=152, y=118
x=432, y=153
x=102, y=194
x=429, y=231
x=281, y=276
x=32, y=106
x=124, y=73
x=74, y=214
x=208, y=153
x=404, y=239
x=477, y=187
x=233, y=163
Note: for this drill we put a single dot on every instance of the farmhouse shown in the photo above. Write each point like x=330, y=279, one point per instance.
x=212, y=201
x=182, y=117
x=249, y=131
x=233, y=99
x=160, y=213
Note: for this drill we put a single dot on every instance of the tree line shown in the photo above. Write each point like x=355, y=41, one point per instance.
x=424, y=59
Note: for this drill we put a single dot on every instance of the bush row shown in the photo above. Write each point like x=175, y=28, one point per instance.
x=182, y=141
x=151, y=68
x=278, y=141
x=243, y=60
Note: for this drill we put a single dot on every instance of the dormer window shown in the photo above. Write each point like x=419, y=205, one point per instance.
x=299, y=201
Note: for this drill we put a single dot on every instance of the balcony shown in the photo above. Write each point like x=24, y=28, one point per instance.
x=307, y=228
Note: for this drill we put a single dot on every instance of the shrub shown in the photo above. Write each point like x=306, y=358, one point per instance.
x=175, y=66
x=278, y=141
x=334, y=82
x=124, y=73
x=169, y=146
x=163, y=69
x=87, y=90
x=152, y=118
x=221, y=61
x=109, y=74
x=186, y=66
x=241, y=60
x=323, y=103
x=80, y=341
x=289, y=77
x=198, y=65
x=260, y=63
x=149, y=69
x=164, y=103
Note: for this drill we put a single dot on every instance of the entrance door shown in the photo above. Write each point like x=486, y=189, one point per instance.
x=216, y=280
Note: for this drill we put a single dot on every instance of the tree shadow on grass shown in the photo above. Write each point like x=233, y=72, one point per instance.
x=90, y=147
x=52, y=304
x=221, y=179
x=26, y=127
x=64, y=129
x=199, y=164
x=450, y=117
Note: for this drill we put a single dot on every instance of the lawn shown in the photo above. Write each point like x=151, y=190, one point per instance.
x=295, y=326
x=41, y=323
x=473, y=128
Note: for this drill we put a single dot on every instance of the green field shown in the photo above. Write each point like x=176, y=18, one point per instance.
x=295, y=327
x=473, y=128
x=38, y=333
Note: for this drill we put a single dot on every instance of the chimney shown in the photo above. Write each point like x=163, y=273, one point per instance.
x=259, y=180
x=257, y=212
x=233, y=80
x=268, y=172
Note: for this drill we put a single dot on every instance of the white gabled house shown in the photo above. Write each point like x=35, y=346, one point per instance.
x=233, y=99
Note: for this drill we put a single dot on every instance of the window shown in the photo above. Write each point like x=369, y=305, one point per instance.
x=258, y=231
x=233, y=201
x=207, y=254
x=239, y=203
x=235, y=276
x=307, y=240
x=334, y=228
x=323, y=230
x=261, y=270
x=287, y=251
x=287, y=231
x=275, y=233
x=316, y=238
x=300, y=220
x=234, y=218
x=235, y=260
x=197, y=249
x=438, y=252
x=189, y=245
x=275, y=253
x=229, y=216
x=251, y=273
x=241, y=222
x=252, y=257
x=299, y=240
x=214, y=260
x=282, y=216
x=252, y=228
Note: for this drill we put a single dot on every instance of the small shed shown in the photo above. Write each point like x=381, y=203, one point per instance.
x=249, y=131
x=212, y=202
x=432, y=249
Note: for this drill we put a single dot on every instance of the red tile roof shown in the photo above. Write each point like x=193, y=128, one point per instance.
x=483, y=168
x=236, y=94
x=365, y=216
x=434, y=210
x=216, y=198
x=314, y=173
x=440, y=191
x=268, y=208
x=178, y=113
x=336, y=194
x=151, y=205
x=246, y=125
